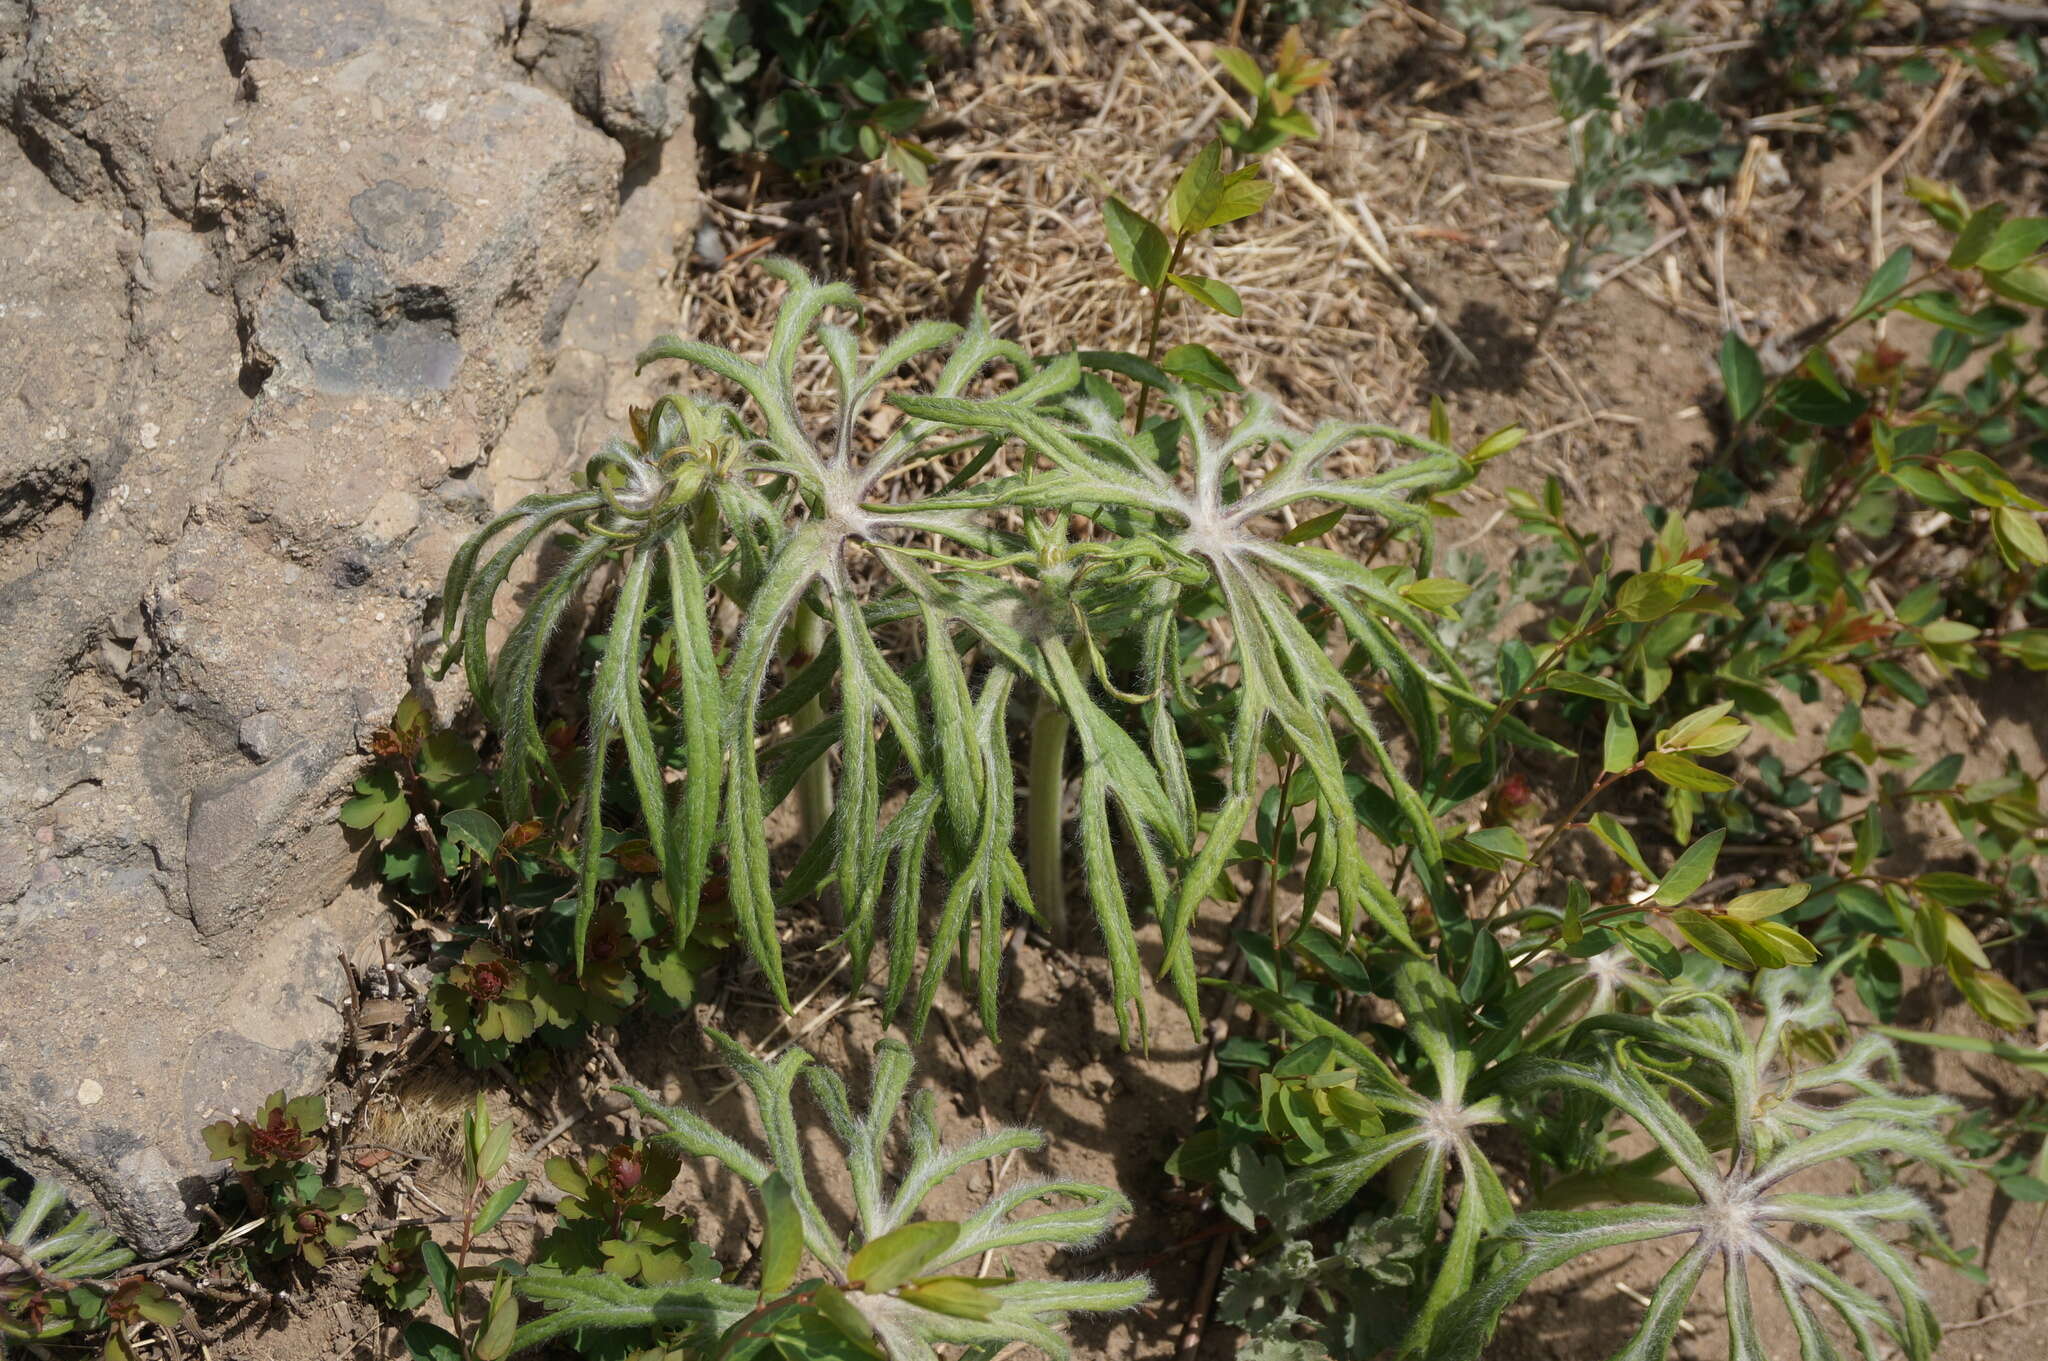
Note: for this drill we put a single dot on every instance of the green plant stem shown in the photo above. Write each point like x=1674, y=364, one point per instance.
x=1044, y=821
x=1180, y=244
x=462, y=1264
x=1763, y=402
x=1282, y=808
x=1543, y=668
x=1600, y=786
x=801, y=640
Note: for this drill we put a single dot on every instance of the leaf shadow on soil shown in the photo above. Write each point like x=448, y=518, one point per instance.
x=1495, y=341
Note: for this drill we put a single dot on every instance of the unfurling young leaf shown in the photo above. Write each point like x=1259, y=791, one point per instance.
x=782, y=1236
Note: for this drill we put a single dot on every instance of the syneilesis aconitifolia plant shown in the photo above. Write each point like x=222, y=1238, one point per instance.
x=1737, y=1121
x=900, y=1285
x=815, y=533
x=1291, y=693
x=769, y=519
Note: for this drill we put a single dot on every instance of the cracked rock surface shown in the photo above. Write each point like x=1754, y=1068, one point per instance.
x=293, y=293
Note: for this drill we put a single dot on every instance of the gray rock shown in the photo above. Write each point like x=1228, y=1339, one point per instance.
x=404, y=347
x=306, y=32
x=261, y=736
x=279, y=818
x=400, y=220
x=107, y=1091
x=624, y=64
x=275, y=277
x=417, y=249
x=122, y=102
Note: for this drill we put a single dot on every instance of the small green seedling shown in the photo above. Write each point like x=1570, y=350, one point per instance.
x=1603, y=210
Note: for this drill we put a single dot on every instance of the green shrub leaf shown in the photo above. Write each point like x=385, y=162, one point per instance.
x=1139, y=246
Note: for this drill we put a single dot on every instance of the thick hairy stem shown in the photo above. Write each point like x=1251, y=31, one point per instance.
x=1044, y=825
x=814, y=790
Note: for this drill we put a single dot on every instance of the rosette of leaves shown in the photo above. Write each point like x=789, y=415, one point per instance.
x=898, y=1286
x=486, y=1001
x=1591, y=985
x=774, y=515
x=612, y=1219
x=270, y=1145
x=1736, y=1121
x=773, y=519
x=396, y=1277
x=49, y=1272
x=609, y=983
x=429, y=773
x=312, y=1226
x=301, y=1214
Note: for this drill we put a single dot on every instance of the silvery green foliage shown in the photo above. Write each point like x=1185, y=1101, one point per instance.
x=1736, y=1120
x=1493, y=29
x=1602, y=210
x=1537, y=572
x=1359, y=1289
x=52, y=1270
x=774, y=515
x=1593, y=986
x=79, y=1248
x=1027, y=1311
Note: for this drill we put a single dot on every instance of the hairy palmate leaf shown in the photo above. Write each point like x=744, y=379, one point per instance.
x=1761, y=1129
x=901, y=1282
x=1207, y=515
x=815, y=533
